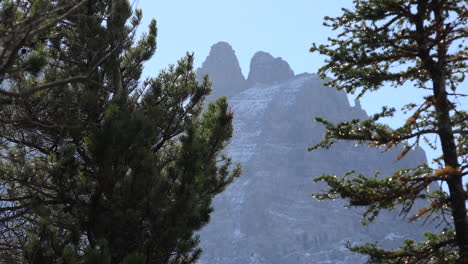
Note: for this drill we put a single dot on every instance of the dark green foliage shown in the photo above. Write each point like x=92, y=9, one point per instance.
x=98, y=166
x=436, y=249
x=418, y=42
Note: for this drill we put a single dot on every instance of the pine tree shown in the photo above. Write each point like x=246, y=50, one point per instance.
x=420, y=42
x=98, y=166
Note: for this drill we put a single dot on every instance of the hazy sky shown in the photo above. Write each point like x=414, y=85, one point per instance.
x=284, y=29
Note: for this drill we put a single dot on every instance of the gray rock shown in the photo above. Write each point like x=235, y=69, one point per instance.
x=224, y=71
x=268, y=215
x=266, y=69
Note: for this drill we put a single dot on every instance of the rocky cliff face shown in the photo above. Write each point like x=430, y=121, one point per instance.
x=224, y=70
x=266, y=69
x=268, y=215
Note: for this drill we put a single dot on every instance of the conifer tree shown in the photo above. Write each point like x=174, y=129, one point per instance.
x=419, y=42
x=97, y=165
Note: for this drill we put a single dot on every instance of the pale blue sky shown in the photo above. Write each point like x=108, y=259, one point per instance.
x=284, y=29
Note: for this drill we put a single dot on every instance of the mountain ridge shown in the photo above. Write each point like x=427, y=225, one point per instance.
x=268, y=215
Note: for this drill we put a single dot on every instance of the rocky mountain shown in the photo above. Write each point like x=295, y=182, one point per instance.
x=266, y=69
x=268, y=215
x=225, y=72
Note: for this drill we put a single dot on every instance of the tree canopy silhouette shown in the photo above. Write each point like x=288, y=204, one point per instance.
x=98, y=165
x=420, y=42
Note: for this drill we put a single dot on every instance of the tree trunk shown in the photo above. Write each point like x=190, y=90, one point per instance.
x=454, y=181
x=437, y=70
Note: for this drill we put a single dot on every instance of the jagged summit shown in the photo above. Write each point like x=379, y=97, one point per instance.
x=222, y=66
x=357, y=103
x=358, y=110
x=268, y=216
x=222, y=46
x=224, y=71
x=266, y=69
